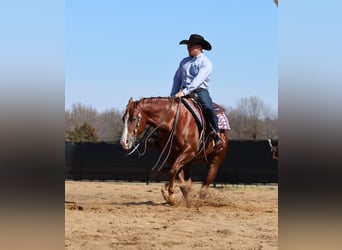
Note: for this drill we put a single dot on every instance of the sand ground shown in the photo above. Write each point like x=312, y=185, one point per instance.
x=121, y=215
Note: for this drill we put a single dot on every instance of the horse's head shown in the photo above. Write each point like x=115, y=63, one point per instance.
x=134, y=124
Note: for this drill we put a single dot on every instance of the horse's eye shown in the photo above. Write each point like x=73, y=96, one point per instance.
x=132, y=119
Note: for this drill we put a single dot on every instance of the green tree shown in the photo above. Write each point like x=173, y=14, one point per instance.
x=83, y=133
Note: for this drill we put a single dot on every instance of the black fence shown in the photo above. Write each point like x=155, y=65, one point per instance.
x=246, y=162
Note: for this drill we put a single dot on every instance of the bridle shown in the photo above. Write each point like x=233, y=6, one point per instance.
x=135, y=130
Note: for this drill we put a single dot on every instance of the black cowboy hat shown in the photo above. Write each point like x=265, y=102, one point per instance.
x=197, y=40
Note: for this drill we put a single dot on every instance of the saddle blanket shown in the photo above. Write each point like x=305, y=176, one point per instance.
x=223, y=122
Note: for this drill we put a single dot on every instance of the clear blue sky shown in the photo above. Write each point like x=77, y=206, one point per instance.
x=119, y=49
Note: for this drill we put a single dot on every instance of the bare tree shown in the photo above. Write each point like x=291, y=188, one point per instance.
x=276, y=2
x=251, y=109
x=270, y=128
x=237, y=122
x=108, y=125
x=80, y=114
x=247, y=120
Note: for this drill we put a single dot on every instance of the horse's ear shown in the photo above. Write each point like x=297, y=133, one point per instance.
x=129, y=102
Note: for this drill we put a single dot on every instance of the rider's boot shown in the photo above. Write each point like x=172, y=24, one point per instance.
x=219, y=143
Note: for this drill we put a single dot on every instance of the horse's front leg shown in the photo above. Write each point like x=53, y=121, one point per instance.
x=176, y=167
x=171, y=189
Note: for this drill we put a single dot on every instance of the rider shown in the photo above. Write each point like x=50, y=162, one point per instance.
x=192, y=76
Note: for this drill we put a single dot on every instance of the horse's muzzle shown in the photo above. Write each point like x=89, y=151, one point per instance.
x=126, y=143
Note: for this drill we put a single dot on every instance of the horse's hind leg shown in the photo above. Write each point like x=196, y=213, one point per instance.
x=211, y=174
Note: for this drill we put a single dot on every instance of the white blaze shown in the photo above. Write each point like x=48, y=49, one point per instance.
x=124, y=137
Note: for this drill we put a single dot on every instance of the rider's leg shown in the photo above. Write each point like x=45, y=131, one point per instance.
x=209, y=112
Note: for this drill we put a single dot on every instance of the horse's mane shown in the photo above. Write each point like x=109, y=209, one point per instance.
x=155, y=99
x=158, y=99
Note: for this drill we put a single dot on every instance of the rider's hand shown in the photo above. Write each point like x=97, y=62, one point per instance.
x=179, y=94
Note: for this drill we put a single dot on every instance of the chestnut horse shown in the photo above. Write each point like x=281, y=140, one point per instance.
x=178, y=134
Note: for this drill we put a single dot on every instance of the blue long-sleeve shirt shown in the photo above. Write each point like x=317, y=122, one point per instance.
x=192, y=73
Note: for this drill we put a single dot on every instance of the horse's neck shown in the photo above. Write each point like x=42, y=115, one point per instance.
x=157, y=112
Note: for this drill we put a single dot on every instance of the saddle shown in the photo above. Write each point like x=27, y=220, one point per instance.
x=195, y=109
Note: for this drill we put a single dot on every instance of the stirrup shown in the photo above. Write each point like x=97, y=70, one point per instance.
x=213, y=134
x=219, y=145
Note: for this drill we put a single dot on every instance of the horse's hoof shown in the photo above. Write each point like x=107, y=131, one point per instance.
x=165, y=193
x=186, y=190
x=204, y=193
x=172, y=200
x=169, y=198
